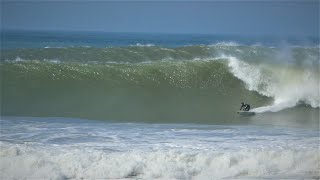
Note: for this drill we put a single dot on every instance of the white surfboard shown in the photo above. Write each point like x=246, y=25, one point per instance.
x=246, y=113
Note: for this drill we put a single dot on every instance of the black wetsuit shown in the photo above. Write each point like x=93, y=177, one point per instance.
x=246, y=107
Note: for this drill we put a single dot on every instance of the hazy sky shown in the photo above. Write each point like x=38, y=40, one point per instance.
x=299, y=18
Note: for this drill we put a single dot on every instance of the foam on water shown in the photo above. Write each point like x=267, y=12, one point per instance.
x=63, y=163
x=57, y=148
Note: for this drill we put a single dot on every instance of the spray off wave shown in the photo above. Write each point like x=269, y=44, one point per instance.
x=286, y=84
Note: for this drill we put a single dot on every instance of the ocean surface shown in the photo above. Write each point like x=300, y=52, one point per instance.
x=94, y=105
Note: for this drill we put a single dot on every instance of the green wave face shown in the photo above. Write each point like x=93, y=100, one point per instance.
x=196, y=84
x=153, y=92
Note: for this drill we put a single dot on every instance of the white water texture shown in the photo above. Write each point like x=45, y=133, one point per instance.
x=63, y=163
x=287, y=84
x=74, y=149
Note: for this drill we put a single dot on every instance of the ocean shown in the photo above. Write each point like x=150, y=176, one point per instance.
x=96, y=105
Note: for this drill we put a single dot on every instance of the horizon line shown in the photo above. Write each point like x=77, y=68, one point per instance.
x=168, y=33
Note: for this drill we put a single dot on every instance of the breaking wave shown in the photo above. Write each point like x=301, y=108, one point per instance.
x=152, y=82
x=286, y=84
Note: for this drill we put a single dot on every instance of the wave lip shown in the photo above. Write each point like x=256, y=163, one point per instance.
x=287, y=85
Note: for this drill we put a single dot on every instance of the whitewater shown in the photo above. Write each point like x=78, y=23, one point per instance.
x=59, y=148
x=287, y=85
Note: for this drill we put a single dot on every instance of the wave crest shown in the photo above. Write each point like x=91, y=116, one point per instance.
x=286, y=84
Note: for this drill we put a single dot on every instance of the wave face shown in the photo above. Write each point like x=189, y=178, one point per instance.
x=152, y=83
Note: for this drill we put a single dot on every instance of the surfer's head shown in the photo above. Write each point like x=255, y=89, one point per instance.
x=242, y=103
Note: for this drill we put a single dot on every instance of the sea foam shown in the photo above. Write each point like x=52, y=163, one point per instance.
x=64, y=163
x=59, y=148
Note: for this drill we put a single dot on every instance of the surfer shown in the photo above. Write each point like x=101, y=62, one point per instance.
x=245, y=107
